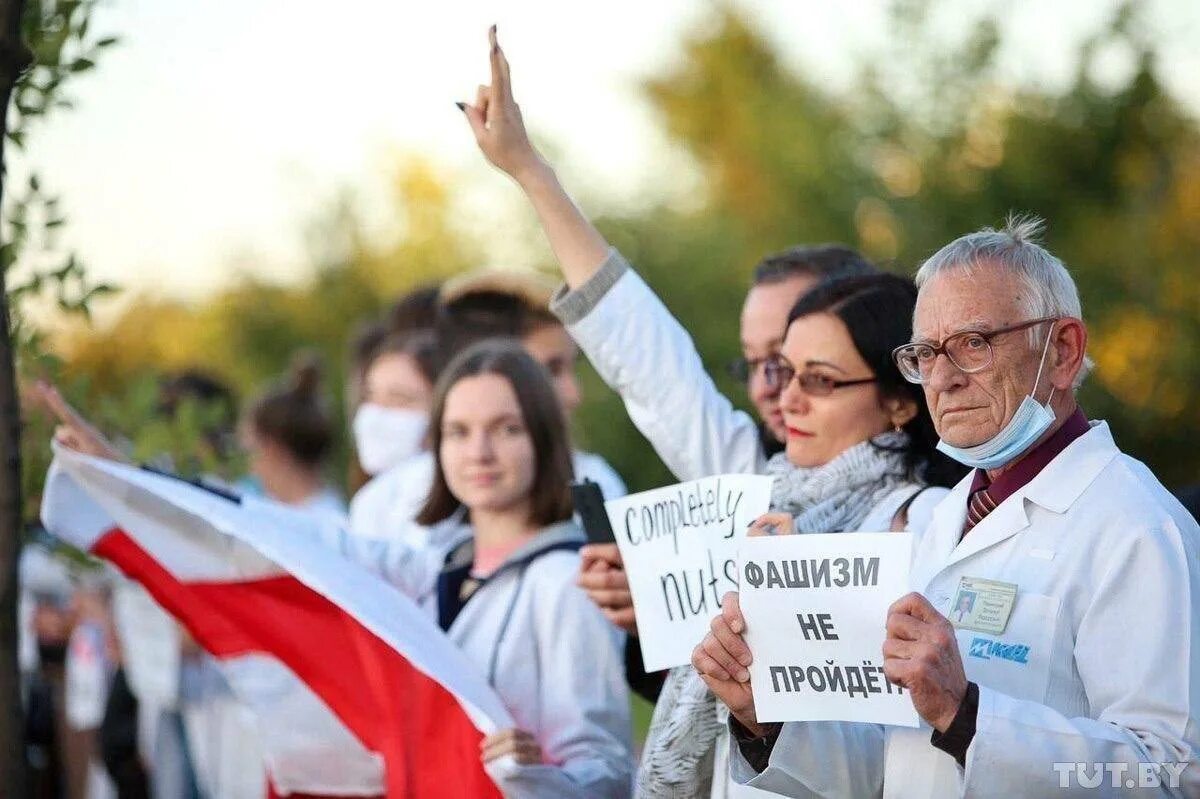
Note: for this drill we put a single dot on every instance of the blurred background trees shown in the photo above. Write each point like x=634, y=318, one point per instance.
x=44, y=45
x=926, y=142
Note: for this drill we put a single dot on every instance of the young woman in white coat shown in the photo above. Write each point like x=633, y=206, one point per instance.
x=503, y=585
x=391, y=433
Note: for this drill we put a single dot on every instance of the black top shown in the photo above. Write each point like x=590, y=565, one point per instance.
x=647, y=685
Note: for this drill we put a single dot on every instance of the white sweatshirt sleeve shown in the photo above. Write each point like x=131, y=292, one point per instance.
x=409, y=568
x=585, y=721
x=644, y=354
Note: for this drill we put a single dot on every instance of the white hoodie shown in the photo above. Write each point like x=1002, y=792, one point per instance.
x=552, y=657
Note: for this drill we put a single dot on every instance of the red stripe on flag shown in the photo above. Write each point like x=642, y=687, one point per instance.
x=428, y=742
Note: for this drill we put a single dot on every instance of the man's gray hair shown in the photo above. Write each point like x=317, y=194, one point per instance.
x=1049, y=288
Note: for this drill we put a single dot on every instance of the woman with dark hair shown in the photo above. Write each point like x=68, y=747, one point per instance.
x=859, y=456
x=391, y=433
x=873, y=311
x=503, y=584
x=288, y=435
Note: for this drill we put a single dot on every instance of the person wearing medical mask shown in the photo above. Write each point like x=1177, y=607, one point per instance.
x=474, y=306
x=1091, y=569
x=392, y=421
x=391, y=428
x=412, y=313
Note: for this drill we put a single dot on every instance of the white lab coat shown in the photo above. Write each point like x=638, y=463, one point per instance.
x=386, y=506
x=646, y=356
x=1108, y=603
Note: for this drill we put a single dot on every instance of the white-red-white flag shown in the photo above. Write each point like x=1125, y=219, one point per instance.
x=344, y=672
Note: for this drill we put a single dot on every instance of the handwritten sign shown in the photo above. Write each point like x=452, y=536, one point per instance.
x=816, y=609
x=680, y=545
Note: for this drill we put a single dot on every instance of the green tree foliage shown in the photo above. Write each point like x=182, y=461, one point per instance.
x=926, y=143
x=246, y=334
x=929, y=144
x=38, y=271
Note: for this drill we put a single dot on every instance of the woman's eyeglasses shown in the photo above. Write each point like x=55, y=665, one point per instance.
x=779, y=372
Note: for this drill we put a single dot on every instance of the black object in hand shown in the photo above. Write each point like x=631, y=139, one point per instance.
x=589, y=504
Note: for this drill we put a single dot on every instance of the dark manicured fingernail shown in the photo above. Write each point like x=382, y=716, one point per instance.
x=462, y=107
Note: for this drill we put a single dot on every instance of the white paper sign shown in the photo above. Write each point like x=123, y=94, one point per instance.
x=680, y=545
x=816, y=611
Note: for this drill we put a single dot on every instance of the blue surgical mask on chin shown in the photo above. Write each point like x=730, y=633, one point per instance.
x=1027, y=425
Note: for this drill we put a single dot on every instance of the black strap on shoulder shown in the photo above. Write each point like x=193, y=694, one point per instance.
x=456, y=586
x=902, y=511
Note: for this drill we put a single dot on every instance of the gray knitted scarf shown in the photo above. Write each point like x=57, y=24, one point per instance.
x=678, y=758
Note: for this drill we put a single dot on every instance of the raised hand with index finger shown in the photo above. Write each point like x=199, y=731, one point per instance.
x=499, y=131
x=73, y=430
x=495, y=120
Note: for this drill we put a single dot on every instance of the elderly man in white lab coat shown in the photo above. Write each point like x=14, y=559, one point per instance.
x=1078, y=668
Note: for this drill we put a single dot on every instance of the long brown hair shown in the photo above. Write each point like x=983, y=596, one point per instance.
x=550, y=496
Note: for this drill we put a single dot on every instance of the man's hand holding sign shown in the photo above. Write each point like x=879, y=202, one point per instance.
x=602, y=576
x=921, y=654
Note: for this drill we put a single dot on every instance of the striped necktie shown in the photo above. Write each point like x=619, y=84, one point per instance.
x=979, y=504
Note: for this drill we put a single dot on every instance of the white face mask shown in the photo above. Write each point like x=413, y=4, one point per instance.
x=386, y=436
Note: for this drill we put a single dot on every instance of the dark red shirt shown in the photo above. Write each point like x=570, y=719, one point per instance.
x=1031, y=463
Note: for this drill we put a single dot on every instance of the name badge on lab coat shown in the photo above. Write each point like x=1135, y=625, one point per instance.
x=983, y=605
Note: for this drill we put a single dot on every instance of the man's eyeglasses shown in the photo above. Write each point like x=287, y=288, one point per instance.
x=779, y=372
x=742, y=369
x=969, y=350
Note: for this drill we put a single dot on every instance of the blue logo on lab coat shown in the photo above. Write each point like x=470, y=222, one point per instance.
x=986, y=649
